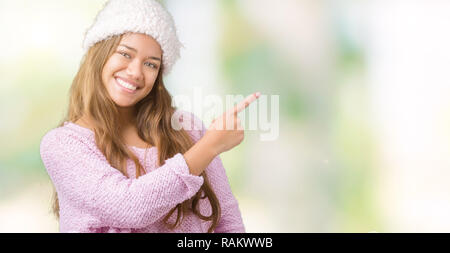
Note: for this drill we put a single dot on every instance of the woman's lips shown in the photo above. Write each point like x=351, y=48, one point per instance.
x=125, y=88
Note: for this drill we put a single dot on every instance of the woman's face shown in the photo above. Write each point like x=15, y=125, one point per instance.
x=130, y=73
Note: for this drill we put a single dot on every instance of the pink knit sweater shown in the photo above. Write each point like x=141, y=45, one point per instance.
x=95, y=197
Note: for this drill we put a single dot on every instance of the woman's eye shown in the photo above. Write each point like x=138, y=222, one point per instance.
x=151, y=65
x=125, y=55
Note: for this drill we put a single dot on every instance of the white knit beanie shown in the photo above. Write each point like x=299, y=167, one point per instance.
x=138, y=16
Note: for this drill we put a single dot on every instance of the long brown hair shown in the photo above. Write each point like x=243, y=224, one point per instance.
x=88, y=96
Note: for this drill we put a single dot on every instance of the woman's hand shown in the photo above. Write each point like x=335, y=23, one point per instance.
x=223, y=134
x=226, y=132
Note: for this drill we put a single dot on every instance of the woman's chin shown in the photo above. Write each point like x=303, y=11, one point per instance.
x=124, y=104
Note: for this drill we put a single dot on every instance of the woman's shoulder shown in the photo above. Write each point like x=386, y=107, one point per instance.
x=191, y=123
x=68, y=133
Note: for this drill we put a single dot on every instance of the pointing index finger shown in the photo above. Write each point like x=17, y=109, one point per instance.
x=246, y=102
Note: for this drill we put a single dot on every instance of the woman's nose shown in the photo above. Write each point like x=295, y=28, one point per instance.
x=134, y=70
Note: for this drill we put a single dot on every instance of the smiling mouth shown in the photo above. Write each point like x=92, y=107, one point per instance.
x=126, y=85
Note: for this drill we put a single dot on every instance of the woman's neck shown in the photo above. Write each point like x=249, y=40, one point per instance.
x=127, y=122
x=127, y=117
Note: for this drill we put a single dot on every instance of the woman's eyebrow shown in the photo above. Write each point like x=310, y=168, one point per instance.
x=135, y=50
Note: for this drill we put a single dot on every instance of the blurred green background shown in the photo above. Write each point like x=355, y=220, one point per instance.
x=364, y=106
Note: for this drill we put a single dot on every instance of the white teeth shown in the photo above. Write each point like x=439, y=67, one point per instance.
x=126, y=85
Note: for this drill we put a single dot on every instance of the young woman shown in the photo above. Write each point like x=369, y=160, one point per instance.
x=116, y=161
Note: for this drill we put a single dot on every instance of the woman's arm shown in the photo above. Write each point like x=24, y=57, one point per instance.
x=84, y=179
x=199, y=156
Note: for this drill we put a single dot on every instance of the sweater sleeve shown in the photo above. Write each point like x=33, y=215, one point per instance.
x=230, y=220
x=85, y=180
